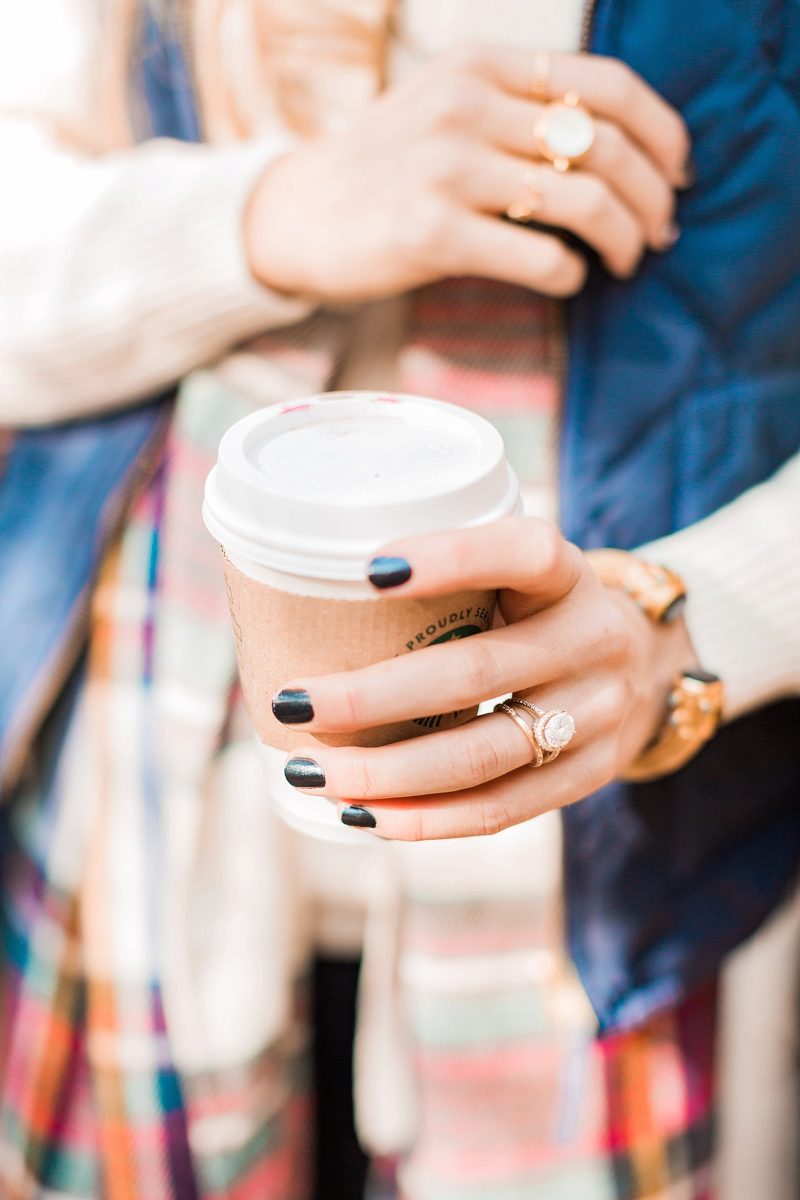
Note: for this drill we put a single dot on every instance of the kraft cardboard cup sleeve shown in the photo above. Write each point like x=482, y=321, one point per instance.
x=301, y=497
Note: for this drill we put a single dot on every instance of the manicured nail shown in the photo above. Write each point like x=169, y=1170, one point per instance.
x=389, y=572
x=358, y=818
x=669, y=236
x=304, y=772
x=292, y=706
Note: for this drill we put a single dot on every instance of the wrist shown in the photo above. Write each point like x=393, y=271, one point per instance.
x=270, y=246
x=661, y=652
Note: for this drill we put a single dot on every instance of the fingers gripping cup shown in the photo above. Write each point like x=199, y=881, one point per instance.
x=300, y=499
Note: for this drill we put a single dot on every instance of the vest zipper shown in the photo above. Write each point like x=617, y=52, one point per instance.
x=586, y=25
x=558, y=311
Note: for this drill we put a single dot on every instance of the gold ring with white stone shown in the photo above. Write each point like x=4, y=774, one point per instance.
x=538, y=754
x=564, y=132
x=553, y=729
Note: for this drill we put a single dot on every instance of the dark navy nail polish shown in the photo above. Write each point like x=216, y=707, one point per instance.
x=389, y=572
x=292, y=706
x=304, y=772
x=358, y=818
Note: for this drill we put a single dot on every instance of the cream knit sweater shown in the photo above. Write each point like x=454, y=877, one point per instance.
x=109, y=289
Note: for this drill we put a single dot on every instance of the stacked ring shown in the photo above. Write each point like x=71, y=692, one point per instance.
x=526, y=210
x=564, y=133
x=538, y=753
x=553, y=729
x=550, y=733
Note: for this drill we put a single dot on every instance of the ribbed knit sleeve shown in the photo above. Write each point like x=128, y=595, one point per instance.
x=742, y=569
x=119, y=274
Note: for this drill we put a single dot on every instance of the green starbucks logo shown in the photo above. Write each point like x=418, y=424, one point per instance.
x=453, y=630
x=462, y=632
x=459, y=623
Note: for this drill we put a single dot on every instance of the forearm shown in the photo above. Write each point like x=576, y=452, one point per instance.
x=119, y=274
x=742, y=569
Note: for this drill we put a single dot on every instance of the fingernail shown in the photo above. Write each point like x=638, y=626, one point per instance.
x=304, y=772
x=358, y=818
x=688, y=173
x=389, y=572
x=669, y=236
x=292, y=706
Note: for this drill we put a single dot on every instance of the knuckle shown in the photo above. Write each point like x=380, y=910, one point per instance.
x=684, y=143
x=605, y=765
x=361, y=783
x=614, y=701
x=492, y=818
x=625, y=83
x=631, y=252
x=679, y=141
x=413, y=828
x=586, y=778
x=560, y=273
x=479, y=671
x=461, y=555
x=427, y=229
x=594, y=197
x=547, y=544
x=350, y=701
x=664, y=207
x=573, y=277
x=613, y=145
x=454, y=98
x=443, y=161
x=616, y=637
x=481, y=759
x=467, y=58
x=552, y=259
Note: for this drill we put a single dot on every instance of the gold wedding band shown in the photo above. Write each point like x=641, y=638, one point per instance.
x=526, y=209
x=538, y=754
x=565, y=132
x=540, y=79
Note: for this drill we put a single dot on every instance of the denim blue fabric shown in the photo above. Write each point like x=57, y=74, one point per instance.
x=161, y=84
x=683, y=391
x=59, y=497
x=61, y=487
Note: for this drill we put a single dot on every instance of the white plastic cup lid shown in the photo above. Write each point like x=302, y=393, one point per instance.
x=314, y=487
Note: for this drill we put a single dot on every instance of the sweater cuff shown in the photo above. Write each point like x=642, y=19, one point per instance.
x=233, y=303
x=741, y=567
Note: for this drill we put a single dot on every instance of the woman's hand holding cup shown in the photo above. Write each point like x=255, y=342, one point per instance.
x=411, y=192
x=568, y=643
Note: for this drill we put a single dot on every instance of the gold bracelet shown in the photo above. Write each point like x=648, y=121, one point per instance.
x=696, y=698
x=694, y=713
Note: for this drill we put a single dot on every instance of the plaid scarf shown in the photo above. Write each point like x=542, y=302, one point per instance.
x=154, y=1009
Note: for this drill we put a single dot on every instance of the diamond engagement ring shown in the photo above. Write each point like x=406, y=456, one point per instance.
x=549, y=733
x=553, y=729
x=565, y=132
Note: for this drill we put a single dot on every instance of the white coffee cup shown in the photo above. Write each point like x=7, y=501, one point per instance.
x=301, y=498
